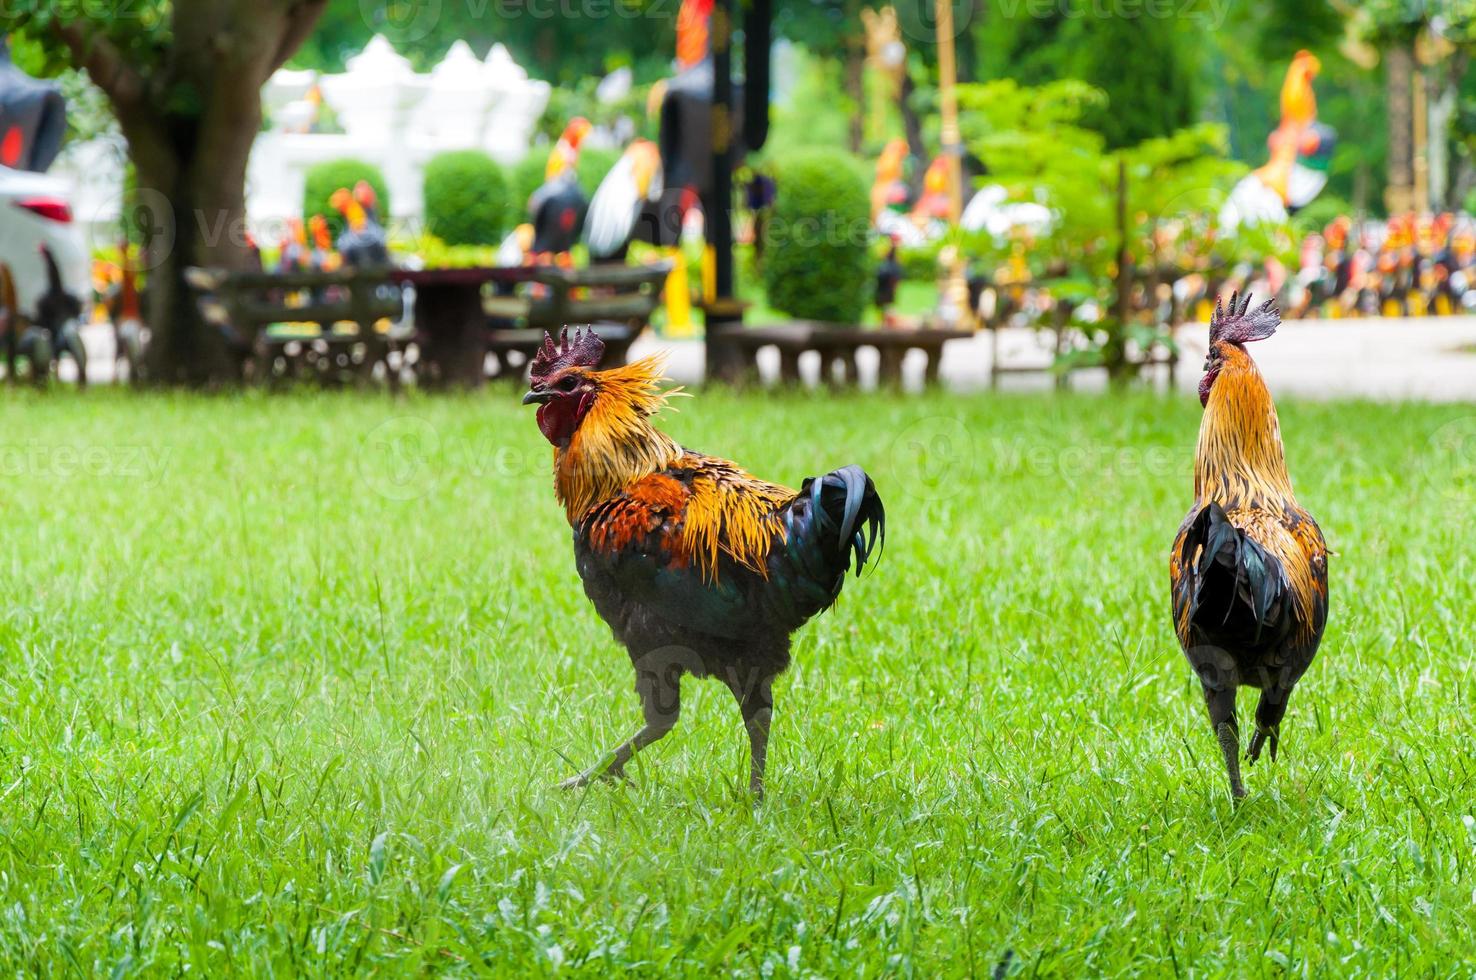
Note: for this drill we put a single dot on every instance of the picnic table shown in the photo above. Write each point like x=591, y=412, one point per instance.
x=837, y=345
x=617, y=300
x=459, y=326
x=332, y=327
x=337, y=326
x=450, y=319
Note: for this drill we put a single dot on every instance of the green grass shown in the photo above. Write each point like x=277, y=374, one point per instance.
x=287, y=683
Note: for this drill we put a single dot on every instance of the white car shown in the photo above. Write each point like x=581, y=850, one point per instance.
x=35, y=210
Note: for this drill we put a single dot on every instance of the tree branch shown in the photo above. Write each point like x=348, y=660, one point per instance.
x=302, y=15
x=104, y=63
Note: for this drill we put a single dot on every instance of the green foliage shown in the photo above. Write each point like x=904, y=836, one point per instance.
x=1153, y=96
x=1033, y=142
x=140, y=31
x=817, y=260
x=432, y=251
x=816, y=112
x=1140, y=60
x=579, y=98
x=594, y=164
x=1320, y=213
x=563, y=43
x=324, y=178
x=467, y=201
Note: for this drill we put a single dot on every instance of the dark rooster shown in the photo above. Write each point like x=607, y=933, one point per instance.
x=1249, y=566
x=698, y=567
x=363, y=242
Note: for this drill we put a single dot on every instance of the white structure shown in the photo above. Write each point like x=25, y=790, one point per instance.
x=391, y=117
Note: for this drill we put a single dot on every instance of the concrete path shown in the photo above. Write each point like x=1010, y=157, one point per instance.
x=1428, y=359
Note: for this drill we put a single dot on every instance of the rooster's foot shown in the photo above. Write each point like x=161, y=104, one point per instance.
x=608, y=774
x=1260, y=738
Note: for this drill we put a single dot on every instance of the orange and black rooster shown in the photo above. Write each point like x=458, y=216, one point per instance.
x=697, y=567
x=1249, y=566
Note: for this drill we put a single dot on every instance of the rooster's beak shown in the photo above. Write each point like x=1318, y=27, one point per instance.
x=537, y=397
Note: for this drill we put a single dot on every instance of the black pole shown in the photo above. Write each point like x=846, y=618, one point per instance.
x=758, y=18
x=720, y=217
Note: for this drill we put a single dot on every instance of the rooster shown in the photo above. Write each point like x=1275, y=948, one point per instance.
x=363, y=241
x=1249, y=566
x=697, y=567
x=558, y=206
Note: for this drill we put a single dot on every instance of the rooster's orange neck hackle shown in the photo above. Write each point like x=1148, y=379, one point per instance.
x=606, y=446
x=1240, y=456
x=615, y=444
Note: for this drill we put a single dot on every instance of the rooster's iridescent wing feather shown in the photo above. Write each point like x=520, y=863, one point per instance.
x=707, y=547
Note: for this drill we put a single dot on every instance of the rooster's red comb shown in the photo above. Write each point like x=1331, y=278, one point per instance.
x=585, y=350
x=1241, y=324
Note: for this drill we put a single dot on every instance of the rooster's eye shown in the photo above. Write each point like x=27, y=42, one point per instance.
x=569, y=383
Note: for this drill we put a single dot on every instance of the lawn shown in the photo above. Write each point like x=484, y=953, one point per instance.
x=288, y=682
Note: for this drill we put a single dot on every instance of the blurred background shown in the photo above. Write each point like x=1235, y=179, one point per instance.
x=1093, y=174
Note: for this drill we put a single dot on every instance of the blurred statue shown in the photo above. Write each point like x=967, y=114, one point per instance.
x=33, y=117
x=1301, y=148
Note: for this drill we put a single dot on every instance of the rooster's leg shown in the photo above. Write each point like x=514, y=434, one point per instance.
x=1221, y=705
x=1269, y=711
x=756, y=702
x=661, y=701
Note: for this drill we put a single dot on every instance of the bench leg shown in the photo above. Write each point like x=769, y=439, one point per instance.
x=934, y=361
x=789, y=369
x=889, y=368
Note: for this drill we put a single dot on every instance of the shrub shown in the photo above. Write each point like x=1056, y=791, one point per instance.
x=325, y=178
x=592, y=167
x=466, y=198
x=817, y=261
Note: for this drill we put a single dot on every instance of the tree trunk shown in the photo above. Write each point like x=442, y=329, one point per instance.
x=1115, y=353
x=192, y=191
x=912, y=125
x=190, y=119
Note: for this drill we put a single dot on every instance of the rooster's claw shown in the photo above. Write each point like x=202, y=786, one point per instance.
x=1260, y=738
x=605, y=775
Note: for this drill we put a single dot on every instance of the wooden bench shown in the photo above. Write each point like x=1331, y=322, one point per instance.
x=617, y=300
x=321, y=326
x=837, y=346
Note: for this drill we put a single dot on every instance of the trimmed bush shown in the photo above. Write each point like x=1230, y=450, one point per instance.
x=592, y=167
x=325, y=178
x=466, y=198
x=817, y=260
